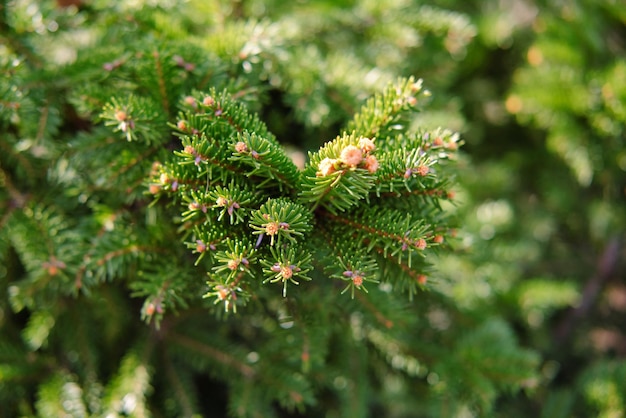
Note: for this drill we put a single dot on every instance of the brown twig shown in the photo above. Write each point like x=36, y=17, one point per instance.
x=604, y=270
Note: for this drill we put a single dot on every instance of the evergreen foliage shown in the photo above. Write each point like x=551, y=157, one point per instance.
x=255, y=208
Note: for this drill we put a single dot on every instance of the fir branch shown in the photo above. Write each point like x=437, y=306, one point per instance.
x=38, y=328
x=384, y=113
x=23, y=162
x=411, y=279
x=231, y=211
x=61, y=395
x=127, y=391
x=349, y=262
x=266, y=160
x=340, y=174
x=380, y=317
x=17, y=43
x=43, y=119
x=137, y=118
x=208, y=156
x=222, y=109
x=221, y=357
x=239, y=256
x=393, y=232
x=404, y=169
x=161, y=81
x=228, y=292
x=131, y=164
x=18, y=200
x=280, y=220
x=206, y=237
x=287, y=266
x=233, y=200
x=112, y=250
x=182, y=393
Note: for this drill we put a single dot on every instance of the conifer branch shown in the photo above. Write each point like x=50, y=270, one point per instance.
x=18, y=200
x=386, y=322
x=218, y=355
x=266, y=161
x=180, y=391
x=385, y=109
x=161, y=82
x=43, y=121
x=16, y=42
x=23, y=162
x=417, y=278
x=147, y=202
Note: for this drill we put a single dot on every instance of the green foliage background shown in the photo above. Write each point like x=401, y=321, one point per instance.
x=523, y=315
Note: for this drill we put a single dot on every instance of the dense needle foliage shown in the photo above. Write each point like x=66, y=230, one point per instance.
x=314, y=208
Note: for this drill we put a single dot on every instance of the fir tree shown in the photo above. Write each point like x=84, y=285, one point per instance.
x=208, y=212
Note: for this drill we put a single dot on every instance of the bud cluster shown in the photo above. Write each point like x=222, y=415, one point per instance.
x=351, y=157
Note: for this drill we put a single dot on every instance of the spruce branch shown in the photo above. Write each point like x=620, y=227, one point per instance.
x=340, y=174
x=205, y=241
x=24, y=162
x=229, y=163
x=220, y=109
x=357, y=271
x=163, y=293
x=147, y=199
x=207, y=155
x=126, y=393
x=265, y=159
x=411, y=278
x=61, y=395
x=390, y=231
x=286, y=265
x=223, y=358
x=387, y=112
x=231, y=294
x=237, y=258
x=161, y=77
x=137, y=118
x=280, y=220
x=17, y=199
x=349, y=262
